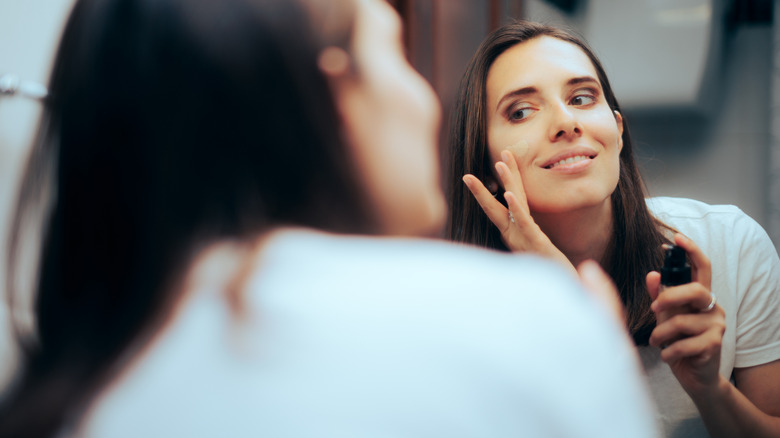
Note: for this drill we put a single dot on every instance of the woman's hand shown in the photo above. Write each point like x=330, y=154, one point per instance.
x=601, y=287
x=689, y=330
x=518, y=230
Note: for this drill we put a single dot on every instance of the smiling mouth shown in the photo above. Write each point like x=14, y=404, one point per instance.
x=570, y=160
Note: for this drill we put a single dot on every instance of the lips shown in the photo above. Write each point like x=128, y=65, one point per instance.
x=569, y=161
x=569, y=157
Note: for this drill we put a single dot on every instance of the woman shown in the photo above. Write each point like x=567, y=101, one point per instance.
x=546, y=157
x=201, y=167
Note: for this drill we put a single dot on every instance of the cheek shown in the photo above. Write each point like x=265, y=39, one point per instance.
x=519, y=149
x=605, y=130
x=534, y=184
x=516, y=144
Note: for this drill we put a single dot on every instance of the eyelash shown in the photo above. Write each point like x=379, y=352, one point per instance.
x=514, y=110
x=588, y=93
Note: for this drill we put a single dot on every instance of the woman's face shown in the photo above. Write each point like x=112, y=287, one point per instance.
x=392, y=118
x=546, y=105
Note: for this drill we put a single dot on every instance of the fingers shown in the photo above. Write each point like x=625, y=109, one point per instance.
x=701, y=263
x=514, y=194
x=691, y=297
x=519, y=231
x=518, y=210
x=598, y=283
x=511, y=179
x=688, y=325
x=494, y=210
x=704, y=346
x=653, y=282
x=514, y=191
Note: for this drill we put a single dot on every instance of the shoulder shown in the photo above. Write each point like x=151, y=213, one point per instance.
x=489, y=301
x=402, y=266
x=379, y=319
x=456, y=323
x=684, y=208
x=728, y=236
x=703, y=222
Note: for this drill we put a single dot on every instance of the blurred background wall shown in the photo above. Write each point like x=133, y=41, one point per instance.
x=29, y=30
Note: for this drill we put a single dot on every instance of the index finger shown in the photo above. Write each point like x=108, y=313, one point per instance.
x=494, y=210
x=509, y=172
x=700, y=261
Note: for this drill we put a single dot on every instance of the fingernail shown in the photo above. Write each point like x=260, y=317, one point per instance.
x=466, y=180
x=505, y=156
x=500, y=170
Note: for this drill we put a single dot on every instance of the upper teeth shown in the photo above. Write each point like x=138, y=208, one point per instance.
x=570, y=160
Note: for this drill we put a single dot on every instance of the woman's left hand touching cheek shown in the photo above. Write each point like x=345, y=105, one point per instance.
x=690, y=325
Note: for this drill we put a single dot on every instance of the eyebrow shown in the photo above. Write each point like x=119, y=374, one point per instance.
x=525, y=91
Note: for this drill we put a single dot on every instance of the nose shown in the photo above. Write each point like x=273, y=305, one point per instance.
x=564, y=124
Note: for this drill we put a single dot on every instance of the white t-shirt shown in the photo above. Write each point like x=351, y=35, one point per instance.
x=746, y=281
x=376, y=337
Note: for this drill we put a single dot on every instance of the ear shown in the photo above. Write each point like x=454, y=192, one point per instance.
x=619, y=121
x=333, y=62
x=335, y=65
x=491, y=184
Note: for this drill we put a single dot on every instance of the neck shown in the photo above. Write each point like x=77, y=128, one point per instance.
x=580, y=234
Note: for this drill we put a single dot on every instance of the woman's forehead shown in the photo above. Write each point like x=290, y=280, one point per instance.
x=538, y=60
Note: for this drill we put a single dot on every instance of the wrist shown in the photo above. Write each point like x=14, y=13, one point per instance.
x=710, y=396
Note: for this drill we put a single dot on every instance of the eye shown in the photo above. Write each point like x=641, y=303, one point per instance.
x=583, y=99
x=519, y=113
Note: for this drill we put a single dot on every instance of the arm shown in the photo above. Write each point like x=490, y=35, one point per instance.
x=692, y=340
x=753, y=410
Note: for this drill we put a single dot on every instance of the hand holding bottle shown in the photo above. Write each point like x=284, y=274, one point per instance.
x=690, y=325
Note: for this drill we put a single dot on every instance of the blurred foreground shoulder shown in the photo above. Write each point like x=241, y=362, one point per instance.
x=364, y=336
x=528, y=331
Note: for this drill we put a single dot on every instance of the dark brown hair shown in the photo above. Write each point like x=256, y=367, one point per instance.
x=635, y=247
x=171, y=124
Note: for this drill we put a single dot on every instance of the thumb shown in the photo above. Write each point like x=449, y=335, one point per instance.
x=653, y=281
x=598, y=283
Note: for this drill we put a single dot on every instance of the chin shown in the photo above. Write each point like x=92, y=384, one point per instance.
x=569, y=205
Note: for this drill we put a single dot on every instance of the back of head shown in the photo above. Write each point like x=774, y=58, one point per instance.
x=170, y=124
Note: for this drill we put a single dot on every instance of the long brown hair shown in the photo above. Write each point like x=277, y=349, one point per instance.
x=635, y=246
x=171, y=124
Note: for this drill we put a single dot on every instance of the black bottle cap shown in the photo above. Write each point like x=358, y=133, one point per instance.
x=676, y=269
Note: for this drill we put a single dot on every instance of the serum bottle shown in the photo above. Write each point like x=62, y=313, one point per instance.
x=676, y=269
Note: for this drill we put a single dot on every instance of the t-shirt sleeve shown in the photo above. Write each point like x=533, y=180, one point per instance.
x=758, y=282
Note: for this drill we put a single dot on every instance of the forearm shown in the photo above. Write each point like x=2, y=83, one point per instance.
x=728, y=413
